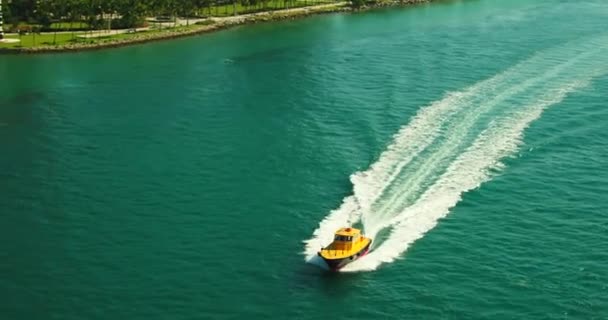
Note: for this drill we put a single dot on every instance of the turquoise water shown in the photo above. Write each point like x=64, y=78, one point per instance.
x=193, y=179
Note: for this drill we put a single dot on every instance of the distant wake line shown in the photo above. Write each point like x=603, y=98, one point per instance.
x=453, y=146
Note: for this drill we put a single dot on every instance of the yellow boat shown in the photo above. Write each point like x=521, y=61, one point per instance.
x=348, y=245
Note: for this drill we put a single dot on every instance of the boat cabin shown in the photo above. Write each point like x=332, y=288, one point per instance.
x=345, y=238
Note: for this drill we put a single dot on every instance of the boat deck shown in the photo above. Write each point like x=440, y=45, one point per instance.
x=334, y=252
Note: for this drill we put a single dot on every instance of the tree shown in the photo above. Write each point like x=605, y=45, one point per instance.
x=1, y=22
x=132, y=12
x=108, y=7
x=44, y=11
x=74, y=10
x=173, y=5
x=187, y=8
x=23, y=10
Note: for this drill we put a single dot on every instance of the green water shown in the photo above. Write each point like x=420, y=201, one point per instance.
x=194, y=179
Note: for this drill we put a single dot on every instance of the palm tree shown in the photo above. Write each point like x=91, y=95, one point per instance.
x=1, y=22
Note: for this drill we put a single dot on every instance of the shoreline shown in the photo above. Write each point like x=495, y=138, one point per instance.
x=219, y=24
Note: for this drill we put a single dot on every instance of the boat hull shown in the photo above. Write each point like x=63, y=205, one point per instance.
x=337, y=264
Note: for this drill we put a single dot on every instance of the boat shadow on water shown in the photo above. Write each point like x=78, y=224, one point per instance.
x=23, y=113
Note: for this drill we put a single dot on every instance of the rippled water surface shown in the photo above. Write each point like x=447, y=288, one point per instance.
x=196, y=178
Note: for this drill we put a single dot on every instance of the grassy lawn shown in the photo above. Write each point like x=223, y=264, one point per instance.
x=31, y=40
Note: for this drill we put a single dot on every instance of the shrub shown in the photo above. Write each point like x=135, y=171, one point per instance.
x=127, y=22
x=23, y=29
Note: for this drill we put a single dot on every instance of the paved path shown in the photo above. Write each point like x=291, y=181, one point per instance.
x=106, y=33
x=7, y=40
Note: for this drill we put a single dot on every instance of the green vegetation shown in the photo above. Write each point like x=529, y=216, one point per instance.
x=68, y=15
x=74, y=24
x=69, y=25
x=358, y=3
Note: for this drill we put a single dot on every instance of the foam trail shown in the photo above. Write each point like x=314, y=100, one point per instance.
x=452, y=145
x=466, y=173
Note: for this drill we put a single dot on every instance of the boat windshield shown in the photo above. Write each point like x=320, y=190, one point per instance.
x=343, y=238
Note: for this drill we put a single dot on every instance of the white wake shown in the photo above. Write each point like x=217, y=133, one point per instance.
x=452, y=146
